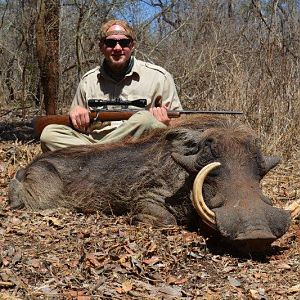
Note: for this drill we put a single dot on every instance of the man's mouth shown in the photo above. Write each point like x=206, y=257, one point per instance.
x=117, y=55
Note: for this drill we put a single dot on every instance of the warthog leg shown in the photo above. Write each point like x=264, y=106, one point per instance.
x=153, y=213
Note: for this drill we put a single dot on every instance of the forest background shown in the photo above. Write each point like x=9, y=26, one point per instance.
x=224, y=54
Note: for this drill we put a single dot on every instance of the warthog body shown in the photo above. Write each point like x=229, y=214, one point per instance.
x=153, y=178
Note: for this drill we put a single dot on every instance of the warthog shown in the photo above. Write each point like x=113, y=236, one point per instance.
x=207, y=166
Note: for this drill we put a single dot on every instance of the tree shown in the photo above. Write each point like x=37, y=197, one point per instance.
x=47, y=44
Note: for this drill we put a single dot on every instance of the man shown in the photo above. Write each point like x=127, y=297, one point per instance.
x=120, y=76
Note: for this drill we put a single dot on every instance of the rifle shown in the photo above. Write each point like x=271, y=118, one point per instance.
x=105, y=115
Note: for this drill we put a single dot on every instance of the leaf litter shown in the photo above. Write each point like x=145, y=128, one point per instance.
x=61, y=254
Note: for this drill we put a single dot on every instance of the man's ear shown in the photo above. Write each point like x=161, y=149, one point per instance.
x=133, y=45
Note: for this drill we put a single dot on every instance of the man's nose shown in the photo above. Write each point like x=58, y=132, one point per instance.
x=117, y=47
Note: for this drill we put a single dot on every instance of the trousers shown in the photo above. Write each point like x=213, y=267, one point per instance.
x=56, y=136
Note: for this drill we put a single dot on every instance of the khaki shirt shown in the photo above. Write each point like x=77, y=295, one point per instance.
x=145, y=81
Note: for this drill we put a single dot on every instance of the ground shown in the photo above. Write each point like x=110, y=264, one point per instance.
x=60, y=254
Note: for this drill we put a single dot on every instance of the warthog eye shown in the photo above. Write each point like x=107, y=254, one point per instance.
x=212, y=145
x=209, y=142
x=208, y=152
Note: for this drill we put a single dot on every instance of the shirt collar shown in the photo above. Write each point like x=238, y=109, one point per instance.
x=134, y=70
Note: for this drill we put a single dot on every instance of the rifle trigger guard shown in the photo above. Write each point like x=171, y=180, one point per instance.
x=97, y=117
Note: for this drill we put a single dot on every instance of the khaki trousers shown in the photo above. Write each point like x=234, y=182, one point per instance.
x=56, y=136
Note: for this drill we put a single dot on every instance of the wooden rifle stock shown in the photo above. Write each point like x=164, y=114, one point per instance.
x=39, y=123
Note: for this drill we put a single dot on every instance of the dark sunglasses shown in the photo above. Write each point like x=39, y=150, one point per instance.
x=112, y=43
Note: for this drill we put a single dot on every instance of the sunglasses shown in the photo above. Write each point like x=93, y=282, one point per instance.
x=111, y=43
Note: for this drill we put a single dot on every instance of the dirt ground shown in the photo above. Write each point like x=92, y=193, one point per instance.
x=66, y=255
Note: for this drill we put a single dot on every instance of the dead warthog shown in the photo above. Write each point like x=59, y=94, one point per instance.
x=207, y=166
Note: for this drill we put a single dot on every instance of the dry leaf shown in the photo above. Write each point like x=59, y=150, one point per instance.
x=254, y=294
x=17, y=257
x=93, y=260
x=6, y=284
x=170, y=291
x=284, y=266
x=151, y=261
x=127, y=286
x=294, y=208
x=126, y=265
x=228, y=269
x=210, y=296
x=124, y=262
x=171, y=279
x=152, y=247
x=129, y=250
x=181, y=281
x=4, y=296
x=11, y=171
x=234, y=282
x=52, y=221
x=34, y=263
x=79, y=297
x=188, y=236
x=5, y=262
x=294, y=289
x=73, y=263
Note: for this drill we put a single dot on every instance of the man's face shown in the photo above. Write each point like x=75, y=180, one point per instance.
x=116, y=53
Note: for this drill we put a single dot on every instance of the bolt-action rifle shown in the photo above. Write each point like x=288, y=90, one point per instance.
x=101, y=113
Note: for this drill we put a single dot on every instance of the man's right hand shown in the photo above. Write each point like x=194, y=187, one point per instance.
x=80, y=118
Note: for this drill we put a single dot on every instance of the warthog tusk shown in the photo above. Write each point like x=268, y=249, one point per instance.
x=206, y=214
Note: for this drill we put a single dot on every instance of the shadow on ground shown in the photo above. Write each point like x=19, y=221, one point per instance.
x=20, y=130
x=217, y=246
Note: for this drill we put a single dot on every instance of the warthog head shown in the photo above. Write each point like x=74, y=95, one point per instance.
x=226, y=191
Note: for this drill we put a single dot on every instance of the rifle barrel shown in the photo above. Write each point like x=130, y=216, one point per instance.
x=104, y=115
x=171, y=113
x=211, y=112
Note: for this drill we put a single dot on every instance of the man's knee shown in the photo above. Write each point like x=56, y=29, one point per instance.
x=50, y=133
x=145, y=119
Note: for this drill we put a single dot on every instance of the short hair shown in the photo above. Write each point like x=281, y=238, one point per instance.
x=128, y=30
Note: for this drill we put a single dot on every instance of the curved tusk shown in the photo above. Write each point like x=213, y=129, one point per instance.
x=206, y=214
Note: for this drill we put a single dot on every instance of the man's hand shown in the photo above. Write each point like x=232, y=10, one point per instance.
x=80, y=118
x=161, y=114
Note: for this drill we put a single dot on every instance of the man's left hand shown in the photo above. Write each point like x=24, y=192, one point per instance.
x=161, y=114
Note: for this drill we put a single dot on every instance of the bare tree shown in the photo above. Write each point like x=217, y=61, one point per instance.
x=47, y=44
x=223, y=54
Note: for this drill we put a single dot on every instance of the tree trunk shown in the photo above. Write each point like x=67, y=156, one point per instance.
x=230, y=9
x=47, y=43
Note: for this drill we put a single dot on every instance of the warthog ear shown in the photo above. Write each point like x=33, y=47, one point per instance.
x=186, y=162
x=183, y=140
x=185, y=147
x=270, y=162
